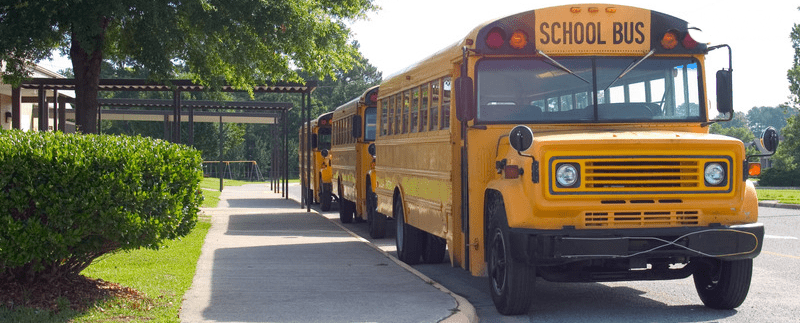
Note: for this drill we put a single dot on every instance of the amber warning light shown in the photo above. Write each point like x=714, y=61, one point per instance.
x=754, y=169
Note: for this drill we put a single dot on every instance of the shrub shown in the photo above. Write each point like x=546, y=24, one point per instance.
x=779, y=177
x=67, y=199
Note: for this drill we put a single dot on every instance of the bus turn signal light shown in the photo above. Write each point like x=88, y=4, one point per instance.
x=518, y=39
x=670, y=40
x=754, y=169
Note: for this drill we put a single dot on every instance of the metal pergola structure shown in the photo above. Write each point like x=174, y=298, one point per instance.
x=275, y=112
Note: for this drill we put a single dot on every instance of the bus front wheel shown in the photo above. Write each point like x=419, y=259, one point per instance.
x=410, y=240
x=511, y=281
x=723, y=284
x=325, y=198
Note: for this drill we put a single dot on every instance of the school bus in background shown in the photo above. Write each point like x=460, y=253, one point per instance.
x=320, y=189
x=353, y=132
x=570, y=143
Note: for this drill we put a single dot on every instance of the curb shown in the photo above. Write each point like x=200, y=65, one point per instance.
x=779, y=205
x=463, y=312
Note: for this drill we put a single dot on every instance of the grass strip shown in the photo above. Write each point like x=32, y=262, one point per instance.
x=783, y=196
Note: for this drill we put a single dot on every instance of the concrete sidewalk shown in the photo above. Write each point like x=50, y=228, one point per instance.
x=267, y=260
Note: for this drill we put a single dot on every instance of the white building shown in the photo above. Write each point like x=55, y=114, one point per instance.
x=29, y=109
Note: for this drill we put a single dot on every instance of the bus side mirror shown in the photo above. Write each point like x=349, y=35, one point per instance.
x=313, y=141
x=356, y=126
x=465, y=109
x=725, y=92
x=520, y=138
x=324, y=153
x=769, y=140
x=371, y=149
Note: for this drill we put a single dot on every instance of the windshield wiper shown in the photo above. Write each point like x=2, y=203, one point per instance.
x=631, y=67
x=562, y=66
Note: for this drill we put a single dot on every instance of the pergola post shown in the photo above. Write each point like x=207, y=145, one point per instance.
x=285, y=122
x=43, y=115
x=55, y=110
x=176, y=125
x=16, y=108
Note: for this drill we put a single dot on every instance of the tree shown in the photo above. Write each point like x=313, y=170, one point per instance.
x=741, y=133
x=241, y=42
x=787, y=157
x=759, y=118
x=739, y=121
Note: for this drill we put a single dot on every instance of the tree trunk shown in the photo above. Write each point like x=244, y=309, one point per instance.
x=86, y=66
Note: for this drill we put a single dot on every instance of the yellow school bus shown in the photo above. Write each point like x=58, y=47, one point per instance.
x=320, y=189
x=569, y=143
x=354, y=126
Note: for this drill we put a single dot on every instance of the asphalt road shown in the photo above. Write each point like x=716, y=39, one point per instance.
x=774, y=292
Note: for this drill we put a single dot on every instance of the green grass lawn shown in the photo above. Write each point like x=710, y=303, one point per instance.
x=784, y=196
x=161, y=277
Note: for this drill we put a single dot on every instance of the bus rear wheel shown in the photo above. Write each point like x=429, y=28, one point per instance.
x=511, y=281
x=345, y=210
x=435, y=249
x=410, y=240
x=376, y=220
x=723, y=284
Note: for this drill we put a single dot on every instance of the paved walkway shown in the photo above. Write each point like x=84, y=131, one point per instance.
x=267, y=260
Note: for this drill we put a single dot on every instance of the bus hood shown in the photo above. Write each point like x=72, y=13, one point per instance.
x=624, y=140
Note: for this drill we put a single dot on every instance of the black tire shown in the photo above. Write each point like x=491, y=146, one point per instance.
x=511, y=281
x=435, y=249
x=723, y=284
x=410, y=240
x=376, y=221
x=310, y=196
x=345, y=212
x=325, y=199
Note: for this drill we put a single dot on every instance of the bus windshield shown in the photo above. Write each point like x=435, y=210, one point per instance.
x=324, y=138
x=370, y=118
x=539, y=91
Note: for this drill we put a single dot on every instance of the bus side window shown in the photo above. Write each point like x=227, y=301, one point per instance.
x=423, y=107
x=414, y=121
x=435, y=86
x=446, y=102
x=384, y=104
x=406, y=97
x=398, y=111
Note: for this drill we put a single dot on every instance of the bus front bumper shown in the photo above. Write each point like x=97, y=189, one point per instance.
x=555, y=247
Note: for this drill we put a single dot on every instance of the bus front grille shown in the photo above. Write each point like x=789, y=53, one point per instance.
x=635, y=174
x=639, y=219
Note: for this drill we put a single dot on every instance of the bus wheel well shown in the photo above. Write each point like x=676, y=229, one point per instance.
x=490, y=197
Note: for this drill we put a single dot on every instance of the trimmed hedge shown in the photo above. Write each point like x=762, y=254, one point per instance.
x=779, y=177
x=67, y=199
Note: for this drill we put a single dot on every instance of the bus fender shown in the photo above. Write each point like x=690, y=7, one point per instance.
x=750, y=205
x=372, y=181
x=518, y=205
x=398, y=194
x=326, y=173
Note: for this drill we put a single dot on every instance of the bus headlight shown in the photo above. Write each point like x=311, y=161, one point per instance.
x=714, y=174
x=567, y=175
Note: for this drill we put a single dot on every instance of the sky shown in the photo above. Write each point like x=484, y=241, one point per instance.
x=404, y=32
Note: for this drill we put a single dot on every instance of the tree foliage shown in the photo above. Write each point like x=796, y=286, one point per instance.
x=241, y=42
x=786, y=170
x=759, y=118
